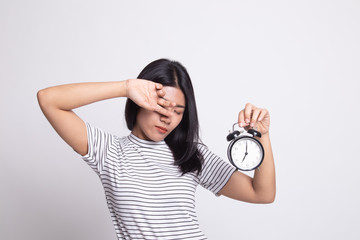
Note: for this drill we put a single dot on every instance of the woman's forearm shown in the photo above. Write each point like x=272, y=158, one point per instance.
x=264, y=177
x=71, y=96
x=58, y=102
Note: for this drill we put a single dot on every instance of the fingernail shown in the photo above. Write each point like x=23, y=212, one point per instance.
x=247, y=120
x=240, y=124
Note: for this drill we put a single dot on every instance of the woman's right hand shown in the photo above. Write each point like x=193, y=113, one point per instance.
x=148, y=95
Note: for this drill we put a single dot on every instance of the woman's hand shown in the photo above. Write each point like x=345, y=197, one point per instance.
x=262, y=187
x=148, y=95
x=253, y=117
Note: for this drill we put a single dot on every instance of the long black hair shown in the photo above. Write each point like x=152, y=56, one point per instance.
x=184, y=139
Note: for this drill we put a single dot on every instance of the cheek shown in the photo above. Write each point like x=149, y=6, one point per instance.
x=144, y=117
x=177, y=120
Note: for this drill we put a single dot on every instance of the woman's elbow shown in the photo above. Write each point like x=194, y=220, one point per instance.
x=268, y=199
x=43, y=98
x=265, y=198
x=40, y=95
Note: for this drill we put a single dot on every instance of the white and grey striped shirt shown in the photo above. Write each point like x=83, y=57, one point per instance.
x=145, y=192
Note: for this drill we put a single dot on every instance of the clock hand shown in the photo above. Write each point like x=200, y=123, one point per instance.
x=244, y=157
x=246, y=153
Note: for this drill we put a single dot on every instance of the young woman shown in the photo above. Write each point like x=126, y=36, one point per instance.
x=150, y=176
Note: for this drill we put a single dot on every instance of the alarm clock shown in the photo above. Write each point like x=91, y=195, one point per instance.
x=245, y=152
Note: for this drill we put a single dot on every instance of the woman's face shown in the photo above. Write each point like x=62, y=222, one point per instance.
x=153, y=126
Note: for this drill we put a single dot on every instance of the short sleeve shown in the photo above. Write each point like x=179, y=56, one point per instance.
x=215, y=171
x=99, y=146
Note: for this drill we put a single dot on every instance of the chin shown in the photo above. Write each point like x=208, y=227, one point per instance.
x=156, y=137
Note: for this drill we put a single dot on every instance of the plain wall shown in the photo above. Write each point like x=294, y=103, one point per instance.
x=298, y=59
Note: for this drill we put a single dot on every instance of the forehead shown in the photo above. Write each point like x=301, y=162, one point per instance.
x=175, y=95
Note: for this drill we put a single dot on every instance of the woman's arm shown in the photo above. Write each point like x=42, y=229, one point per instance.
x=261, y=188
x=57, y=104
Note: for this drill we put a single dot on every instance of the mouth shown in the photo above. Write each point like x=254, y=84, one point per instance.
x=161, y=129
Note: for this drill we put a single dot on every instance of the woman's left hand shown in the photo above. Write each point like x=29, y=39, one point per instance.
x=254, y=117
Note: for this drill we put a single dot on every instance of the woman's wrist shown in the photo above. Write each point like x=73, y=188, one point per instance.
x=127, y=83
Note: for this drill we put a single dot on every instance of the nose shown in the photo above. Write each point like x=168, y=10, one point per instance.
x=165, y=119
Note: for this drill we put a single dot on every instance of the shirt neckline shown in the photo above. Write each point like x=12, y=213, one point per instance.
x=146, y=143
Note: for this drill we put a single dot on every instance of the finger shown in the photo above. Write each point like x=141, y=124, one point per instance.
x=254, y=117
x=241, y=119
x=248, y=111
x=162, y=111
x=164, y=103
x=158, y=86
x=161, y=93
x=262, y=115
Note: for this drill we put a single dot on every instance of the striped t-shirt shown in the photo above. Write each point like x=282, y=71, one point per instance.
x=145, y=192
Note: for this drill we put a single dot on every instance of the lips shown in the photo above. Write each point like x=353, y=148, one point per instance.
x=161, y=129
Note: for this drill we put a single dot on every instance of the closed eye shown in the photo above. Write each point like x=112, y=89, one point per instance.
x=178, y=113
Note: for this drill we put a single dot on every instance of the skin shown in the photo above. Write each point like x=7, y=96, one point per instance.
x=148, y=122
x=160, y=107
x=262, y=187
x=58, y=102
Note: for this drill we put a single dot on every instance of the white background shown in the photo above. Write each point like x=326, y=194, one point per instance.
x=298, y=59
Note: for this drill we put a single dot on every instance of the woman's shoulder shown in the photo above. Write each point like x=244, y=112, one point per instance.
x=201, y=146
x=204, y=150
x=100, y=133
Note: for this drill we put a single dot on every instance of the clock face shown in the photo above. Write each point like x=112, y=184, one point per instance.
x=246, y=153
